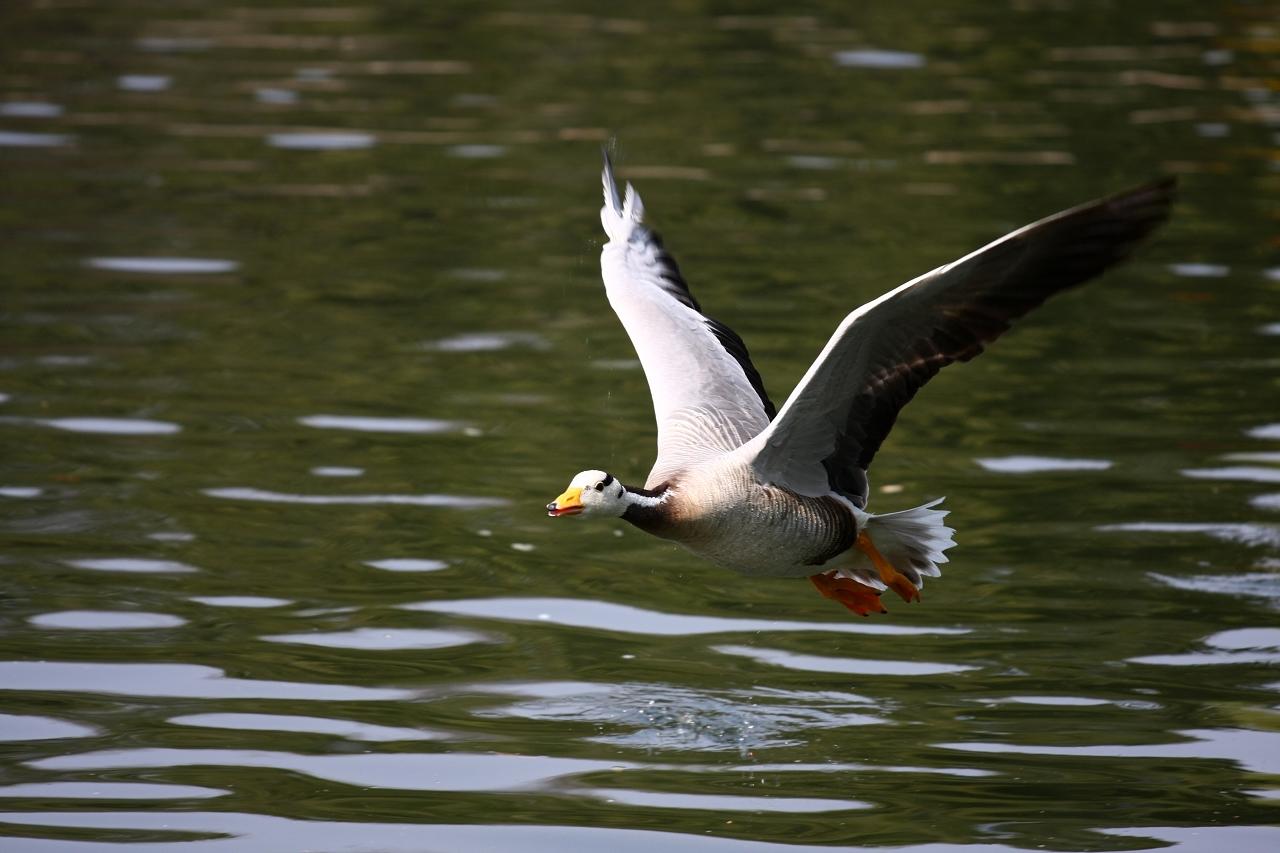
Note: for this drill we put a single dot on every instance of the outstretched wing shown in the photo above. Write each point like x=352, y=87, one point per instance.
x=834, y=422
x=707, y=396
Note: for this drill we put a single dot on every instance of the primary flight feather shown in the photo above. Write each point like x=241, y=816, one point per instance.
x=784, y=494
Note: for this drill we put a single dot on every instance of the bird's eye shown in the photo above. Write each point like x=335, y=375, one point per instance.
x=599, y=486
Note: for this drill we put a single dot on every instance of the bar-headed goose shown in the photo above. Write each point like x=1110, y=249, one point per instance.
x=785, y=494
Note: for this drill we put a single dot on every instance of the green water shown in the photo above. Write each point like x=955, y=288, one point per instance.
x=301, y=326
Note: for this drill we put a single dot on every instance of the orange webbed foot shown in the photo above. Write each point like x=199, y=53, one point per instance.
x=861, y=599
x=892, y=578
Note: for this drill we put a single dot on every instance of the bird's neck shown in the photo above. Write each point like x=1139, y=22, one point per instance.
x=647, y=508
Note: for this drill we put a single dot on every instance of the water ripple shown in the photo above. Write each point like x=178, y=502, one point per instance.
x=487, y=342
x=1251, y=473
x=105, y=620
x=20, y=492
x=1243, y=534
x=1237, y=646
x=1255, y=584
x=669, y=717
x=604, y=616
x=407, y=564
x=20, y=139
x=30, y=109
x=110, y=791
x=1200, y=270
x=1038, y=464
x=21, y=727
x=454, y=771
x=382, y=639
x=322, y=141
x=1253, y=750
x=112, y=426
x=240, y=600
x=269, y=834
x=165, y=266
x=142, y=565
x=360, y=423
x=245, y=493
x=143, y=82
x=349, y=729
x=172, y=680
x=871, y=58
x=848, y=666
x=722, y=803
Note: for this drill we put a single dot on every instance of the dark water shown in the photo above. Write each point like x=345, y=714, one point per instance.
x=302, y=326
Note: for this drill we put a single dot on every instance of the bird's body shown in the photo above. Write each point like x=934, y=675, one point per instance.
x=714, y=508
x=784, y=493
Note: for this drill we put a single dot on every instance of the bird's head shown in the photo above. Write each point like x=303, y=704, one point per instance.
x=592, y=493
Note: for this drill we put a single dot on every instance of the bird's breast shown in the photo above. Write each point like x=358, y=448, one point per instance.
x=758, y=529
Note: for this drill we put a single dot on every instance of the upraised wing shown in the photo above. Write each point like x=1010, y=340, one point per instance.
x=707, y=396
x=834, y=422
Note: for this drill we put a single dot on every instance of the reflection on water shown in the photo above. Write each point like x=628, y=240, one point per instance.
x=322, y=141
x=171, y=680
x=454, y=771
x=1258, y=752
x=17, y=727
x=851, y=666
x=303, y=322
x=164, y=266
x=708, y=802
x=105, y=620
x=109, y=791
x=369, y=424
x=112, y=426
x=140, y=565
x=350, y=729
x=620, y=617
x=1041, y=464
x=266, y=834
x=250, y=494
x=381, y=638
x=22, y=139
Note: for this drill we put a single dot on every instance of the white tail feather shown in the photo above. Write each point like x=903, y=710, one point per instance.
x=912, y=540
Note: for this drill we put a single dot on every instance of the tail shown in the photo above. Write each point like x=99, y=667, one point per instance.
x=621, y=214
x=913, y=540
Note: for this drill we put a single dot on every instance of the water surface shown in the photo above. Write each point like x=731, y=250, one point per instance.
x=302, y=326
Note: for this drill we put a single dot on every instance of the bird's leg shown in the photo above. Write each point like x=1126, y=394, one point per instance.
x=861, y=599
x=892, y=578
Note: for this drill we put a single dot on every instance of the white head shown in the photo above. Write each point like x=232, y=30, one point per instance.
x=592, y=493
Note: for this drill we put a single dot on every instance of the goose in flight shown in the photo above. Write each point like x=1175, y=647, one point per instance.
x=784, y=493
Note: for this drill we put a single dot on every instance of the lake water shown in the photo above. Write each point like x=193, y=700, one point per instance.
x=302, y=326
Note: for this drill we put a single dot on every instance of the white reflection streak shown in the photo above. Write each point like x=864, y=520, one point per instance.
x=1245, y=534
x=454, y=771
x=1255, y=751
x=1038, y=464
x=456, y=501
x=580, y=613
x=173, y=680
x=848, y=666
x=267, y=834
x=360, y=423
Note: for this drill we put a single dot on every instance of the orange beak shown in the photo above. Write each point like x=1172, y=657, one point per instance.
x=569, y=503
